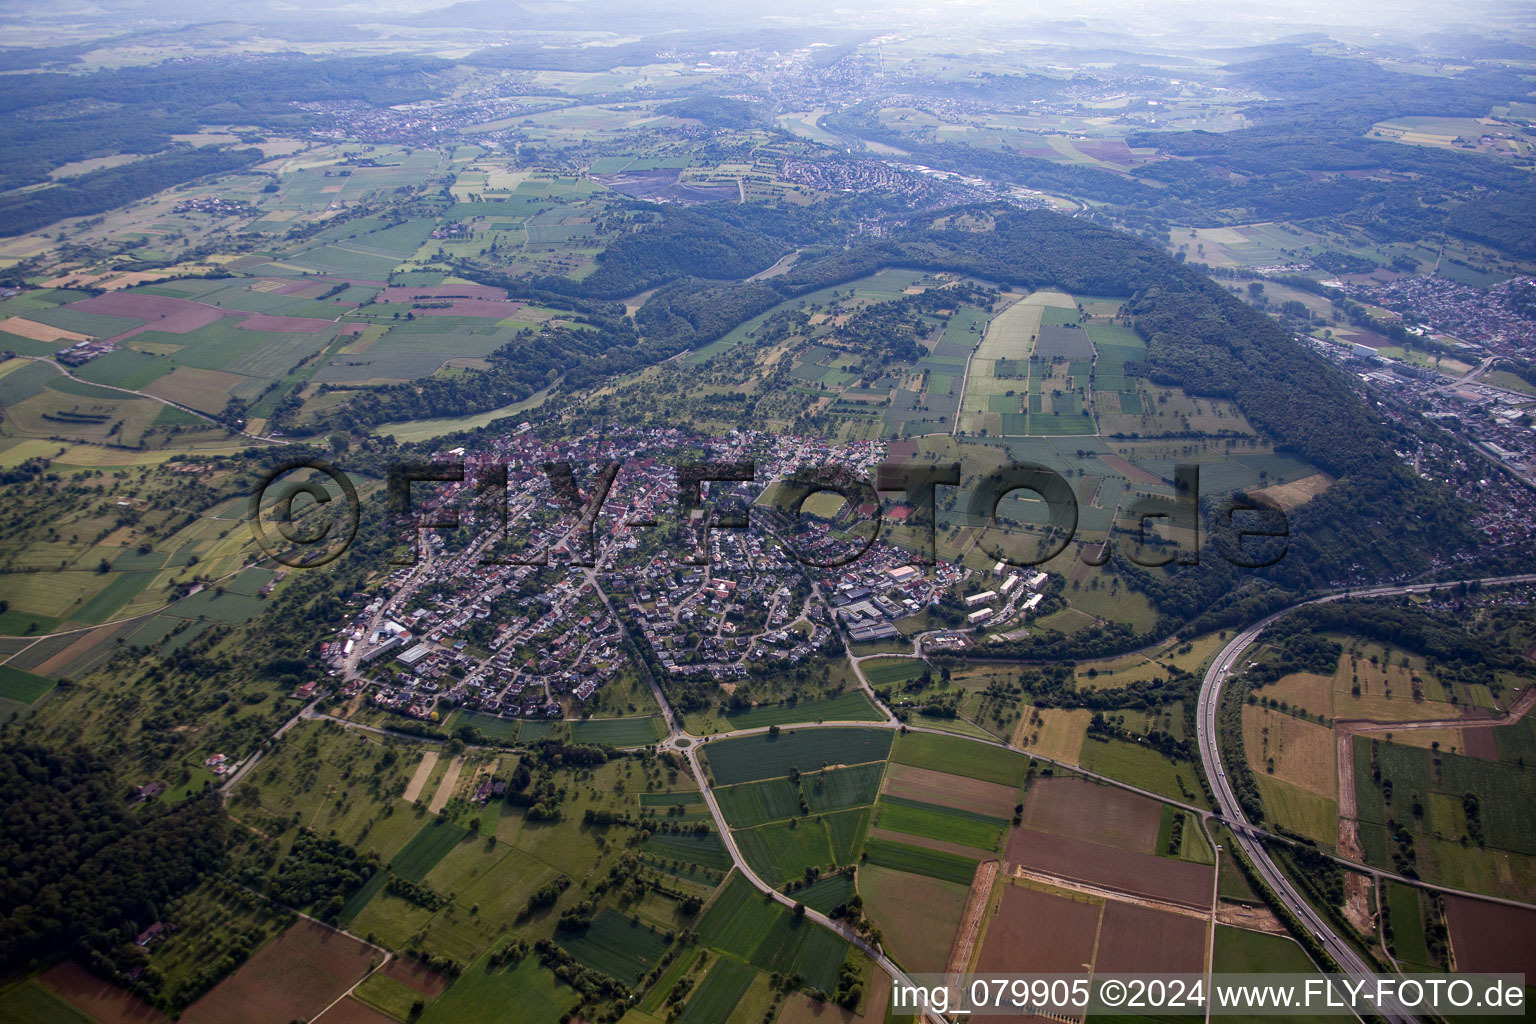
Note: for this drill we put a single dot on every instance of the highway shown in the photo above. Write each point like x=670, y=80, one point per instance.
x=1209, y=734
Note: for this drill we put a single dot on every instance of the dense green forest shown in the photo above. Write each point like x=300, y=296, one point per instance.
x=85, y=873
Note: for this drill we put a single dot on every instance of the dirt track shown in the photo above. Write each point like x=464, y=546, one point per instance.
x=970, y=920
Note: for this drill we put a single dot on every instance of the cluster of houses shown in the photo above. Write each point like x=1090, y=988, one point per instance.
x=471, y=628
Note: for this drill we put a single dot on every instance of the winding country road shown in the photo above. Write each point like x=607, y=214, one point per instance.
x=1208, y=731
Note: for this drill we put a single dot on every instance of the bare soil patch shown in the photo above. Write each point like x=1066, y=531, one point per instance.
x=1490, y=937
x=290, y=324
x=1039, y=932
x=1110, y=868
x=101, y=1000
x=417, y=975
x=1087, y=811
x=1255, y=919
x=1135, y=938
x=947, y=790
x=293, y=977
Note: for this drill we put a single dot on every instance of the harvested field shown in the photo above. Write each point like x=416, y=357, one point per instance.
x=445, y=788
x=1059, y=738
x=35, y=331
x=1141, y=939
x=950, y=790
x=918, y=916
x=1086, y=811
x=205, y=390
x=1038, y=932
x=1306, y=690
x=1489, y=937
x=99, y=999
x=293, y=977
x=1297, y=492
x=1103, y=866
x=419, y=779
x=1291, y=750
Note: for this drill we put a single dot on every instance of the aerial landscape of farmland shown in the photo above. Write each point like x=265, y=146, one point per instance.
x=695, y=513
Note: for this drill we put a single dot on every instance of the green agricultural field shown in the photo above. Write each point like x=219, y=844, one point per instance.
x=387, y=995
x=1503, y=791
x=22, y=687
x=749, y=925
x=765, y=757
x=827, y=892
x=1239, y=951
x=484, y=993
x=783, y=850
x=1142, y=766
x=984, y=761
x=429, y=846
x=622, y=948
x=359, y=899
x=704, y=849
x=717, y=995
x=493, y=728
x=738, y=918
x=842, y=787
x=853, y=706
x=757, y=803
x=1407, y=916
x=932, y=822
x=619, y=732
x=883, y=671
x=940, y=864
x=846, y=830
